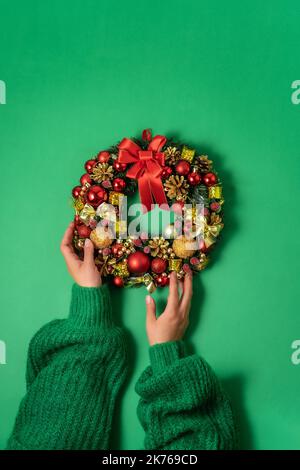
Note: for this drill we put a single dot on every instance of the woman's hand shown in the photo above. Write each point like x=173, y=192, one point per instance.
x=84, y=272
x=172, y=323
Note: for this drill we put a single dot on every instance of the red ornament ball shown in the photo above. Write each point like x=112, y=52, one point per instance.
x=89, y=165
x=194, y=178
x=118, y=281
x=210, y=179
x=119, y=166
x=183, y=168
x=76, y=191
x=166, y=172
x=83, y=231
x=85, y=179
x=96, y=195
x=118, y=185
x=162, y=280
x=158, y=265
x=138, y=263
x=103, y=157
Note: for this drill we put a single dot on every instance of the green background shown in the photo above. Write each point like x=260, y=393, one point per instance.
x=81, y=75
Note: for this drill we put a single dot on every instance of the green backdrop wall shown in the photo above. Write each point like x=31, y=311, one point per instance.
x=82, y=74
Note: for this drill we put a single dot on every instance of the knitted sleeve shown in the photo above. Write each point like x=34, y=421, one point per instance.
x=182, y=404
x=75, y=369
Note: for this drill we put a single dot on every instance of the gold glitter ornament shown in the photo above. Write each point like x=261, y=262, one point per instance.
x=184, y=247
x=102, y=172
x=215, y=192
x=121, y=269
x=175, y=264
x=176, y=187
x=78, y=205
x=102, y=237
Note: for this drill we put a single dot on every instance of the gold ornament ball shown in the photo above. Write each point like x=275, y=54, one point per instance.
x=182, y=247
x=102, y=237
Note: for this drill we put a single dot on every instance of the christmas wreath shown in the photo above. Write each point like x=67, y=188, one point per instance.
x=166, y=173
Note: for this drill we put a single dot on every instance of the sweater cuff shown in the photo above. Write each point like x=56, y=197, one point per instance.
x=91, y=306
x=163, y=355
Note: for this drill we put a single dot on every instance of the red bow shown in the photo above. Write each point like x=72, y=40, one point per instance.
x=146, y=169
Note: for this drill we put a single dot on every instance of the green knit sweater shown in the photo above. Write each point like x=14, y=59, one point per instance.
x=76, y=368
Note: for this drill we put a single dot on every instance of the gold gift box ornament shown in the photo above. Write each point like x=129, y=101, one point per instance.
x=115, y=198
x=215, y=192
x=187, y=154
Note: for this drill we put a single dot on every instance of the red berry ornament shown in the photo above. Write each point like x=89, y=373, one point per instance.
x=209, y=179
x=103, y=157
x=118, y=281
x=76, y=191
x=138, y=263
x=162, y=280
x=166, y=172
x=194, y=178
x=96, y=195
x=119, y=166
x=158, y=265
x=85, y=179
x=118, y=185
x=183, y=168
x=83, y=231
x=89, y=165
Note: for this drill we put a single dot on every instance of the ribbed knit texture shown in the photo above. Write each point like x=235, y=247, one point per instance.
x=182, y=405
x=75, y=369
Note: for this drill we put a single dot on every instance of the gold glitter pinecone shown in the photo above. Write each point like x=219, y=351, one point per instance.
x=102, y=237
x=172, y=155
x=204, y=164
x=176, y=187
x=183, y=247
x=102, y=172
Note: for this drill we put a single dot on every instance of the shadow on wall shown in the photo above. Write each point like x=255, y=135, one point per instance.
x=234, y=387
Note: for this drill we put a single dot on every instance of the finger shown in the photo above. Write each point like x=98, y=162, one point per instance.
x=150, y=311
x=89, y=253
x=67, y=250
x=181, y=287
x=187, y=293
x=67, y=238
x=173, y=299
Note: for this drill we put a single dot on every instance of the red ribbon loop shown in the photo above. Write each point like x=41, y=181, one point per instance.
x=147, y=169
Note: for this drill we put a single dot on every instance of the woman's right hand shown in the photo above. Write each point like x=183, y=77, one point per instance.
x=84, y=273
x=172, y=323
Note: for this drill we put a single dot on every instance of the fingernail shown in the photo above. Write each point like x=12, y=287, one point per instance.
x=148, y=299
x=87, y=242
